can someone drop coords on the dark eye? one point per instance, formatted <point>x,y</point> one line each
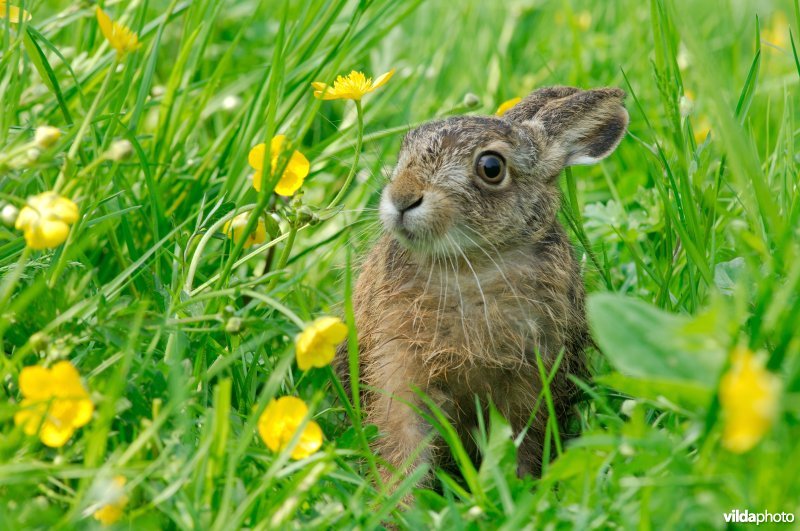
<point>491,167</point>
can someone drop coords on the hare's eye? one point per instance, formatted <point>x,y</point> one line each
<point>491,167</point>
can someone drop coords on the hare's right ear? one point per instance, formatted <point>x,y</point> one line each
<point>579,126</point>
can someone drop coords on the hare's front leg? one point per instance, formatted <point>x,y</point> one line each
<point>403,433</point>
<point>529,462</point>
<point>406,439</point>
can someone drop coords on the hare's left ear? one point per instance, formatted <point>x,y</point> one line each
<point>582,126</point>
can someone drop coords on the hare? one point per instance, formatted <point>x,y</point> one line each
<point>475,277</point>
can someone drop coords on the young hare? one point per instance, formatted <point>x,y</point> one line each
<point>474,275</point>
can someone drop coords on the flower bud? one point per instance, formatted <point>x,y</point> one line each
<point>471,100</point>
<point>306,215</point>
<point>9,214</point>
<point>39,341</point>
<point>46,136</point>
<point>231,102</point>
<point>233,325</point>
<point>120,150</point>
<point>627,407</point>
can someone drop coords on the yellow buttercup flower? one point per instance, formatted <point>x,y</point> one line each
<point>701,129</point>
<point>45,220</point>
<point>112,511</point>
<point>15,15</point>
<point>584,20</point>
<point>352,87</point>
<point>55,403</point>
<point>279,423</point>
<point>748,396</point>
<point>293,176</point>
<point>506,105</point>
<point>119,36</point>
<point>235,227</point>
<point>777,32</point>
<point>316,345</point>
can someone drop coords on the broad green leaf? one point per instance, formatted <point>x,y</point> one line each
<point>642,341</point>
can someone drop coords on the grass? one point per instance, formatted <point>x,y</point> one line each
<point>689,242</point>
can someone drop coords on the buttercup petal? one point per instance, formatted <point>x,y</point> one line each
<point>279,423</point>
<point>299,165</point>
<point>292,407</point>
<point>329,95</point>
<point>119,36</point>
<point>332,329</point>
<point>280,419</point>
<point>256,156</point>
<point>276,146</point>
<point>65,210</point>
<point>15,15</point>
<point>83,411</point>
<point>382,79</point>
<point>106,26</point>
<point>55,436</point>
<point>259,235</point>
<point>45,220</point>
<point>67,380</point>
<point>108,514</point>
<point>323,355</point>
<point>506,106</point>
<point>748,395</point>
<point>30,415</point>
<point>355,77</point>
<point>305,342</point>
<point>310,441</point>
<point>35,382</point>
<point>48,234</point>
<point>296,168</point>
<point>289,184</point>
<point>233,228</point>
<point>26,217</point>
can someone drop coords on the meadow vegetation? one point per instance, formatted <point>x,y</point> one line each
<point>170,296</point>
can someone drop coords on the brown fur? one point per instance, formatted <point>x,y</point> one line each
<point>473,279</point>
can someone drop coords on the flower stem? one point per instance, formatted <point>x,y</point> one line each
<point>210,232</point>
<point>76,143</point>
<point>353,169</point>
<point>284,259</point>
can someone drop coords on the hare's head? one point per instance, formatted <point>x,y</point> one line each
<point>470,181</point>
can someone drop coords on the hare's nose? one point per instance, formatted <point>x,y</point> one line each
<point>407,202</point>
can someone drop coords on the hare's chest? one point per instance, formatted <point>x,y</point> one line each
<point>477,318</point>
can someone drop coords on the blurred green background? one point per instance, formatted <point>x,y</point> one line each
<point>691,225</point>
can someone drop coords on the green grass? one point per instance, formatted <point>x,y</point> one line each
<point>183,338</point>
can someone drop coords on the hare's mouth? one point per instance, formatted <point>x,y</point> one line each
<point>415,240</point>
<point>425,242</point>
<point>419,223</point>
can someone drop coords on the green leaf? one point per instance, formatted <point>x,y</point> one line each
<point>642,341</point>
<point>499,453</point>
<point>681,396</point>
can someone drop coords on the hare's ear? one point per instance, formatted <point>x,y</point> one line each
<point>582,125</point>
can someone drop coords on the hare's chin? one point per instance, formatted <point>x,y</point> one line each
<point>426,244</point>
